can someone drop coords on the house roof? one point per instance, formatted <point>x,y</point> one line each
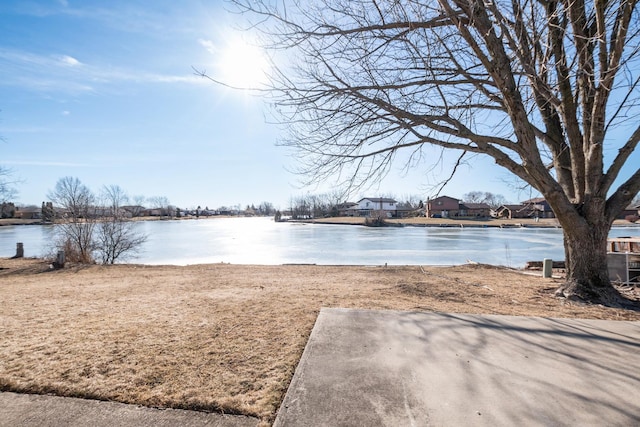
<point>444,197</point>
<point>378,199</point>
<point>535,200</point>
<point>405,207</point>
<point>538,200</point>
<point>514,207</point>
<point>475,206</point>
<point>346,205</point>
<point>28,209</point>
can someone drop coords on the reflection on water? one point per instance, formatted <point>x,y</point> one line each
<point>262,241</point>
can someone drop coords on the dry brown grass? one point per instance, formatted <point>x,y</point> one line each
<point>218,337</point>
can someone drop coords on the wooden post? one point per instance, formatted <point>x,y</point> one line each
<point>19,250</point>
<point>547,268</point>
<point>59,260</point>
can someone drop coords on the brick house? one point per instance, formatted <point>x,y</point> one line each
<point>477,210</point>
<point>442,207</point>
<point>28,212</point>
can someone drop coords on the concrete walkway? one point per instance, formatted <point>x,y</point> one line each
<point>387,368</point>
<point>26,410</point>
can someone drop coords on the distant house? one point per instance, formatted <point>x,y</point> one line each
<point>478,210</point>
<point>540,207</point>
<point>514,211</point>
<point>371,204</point>
<point>404,210</point>
<point>449,207</point>
<point>134,210</point>
<point>28,212</point>
<point>61,212</point>
<point>154,212</point>
<point>630,210</point>
<point>442,207</point>
<point>347,209</point>
<point>100,212</point>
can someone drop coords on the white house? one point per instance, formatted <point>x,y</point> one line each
<point>370,204</point>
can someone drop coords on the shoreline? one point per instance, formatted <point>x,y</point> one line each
<point>19,221</point>
<point>360,221</point>
<point>455,223</point>
<point>392,223</point>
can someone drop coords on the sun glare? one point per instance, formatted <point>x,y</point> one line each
<point>242,65</point>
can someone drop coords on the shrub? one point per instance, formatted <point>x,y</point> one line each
<point>71,252</point>
<point>377,219</point>
<point>632,218</point>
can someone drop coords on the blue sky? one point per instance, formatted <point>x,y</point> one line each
<point>105,91</point>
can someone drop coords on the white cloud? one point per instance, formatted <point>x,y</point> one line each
<point>66,113</point>
<point>48,163</point>
<point>69,60</point>
<point>208,44</point>
<point>159,78</point>
<point>64,73</point>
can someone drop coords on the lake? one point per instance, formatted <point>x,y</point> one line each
<point>263,241</point>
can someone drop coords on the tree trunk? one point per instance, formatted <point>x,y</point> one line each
<point>586,260</point>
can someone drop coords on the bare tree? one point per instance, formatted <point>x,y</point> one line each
<point>117,240</point>
<point>412,200</point>
<point>536,85</point>
<point>300,207</point>
<point>473,197</point>
<point>314,205</point>
<point>161,203</point>
<point>116,237</point>
<point>114,198</point>
<point>7,185</point>
<point>77,225</point>
<point>266,209</point>
<point>493,200</point>
<point>7,210</point>
<point>138,205</point>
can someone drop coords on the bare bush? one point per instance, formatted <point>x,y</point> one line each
<point>87,230</point>
<point>117,239</point>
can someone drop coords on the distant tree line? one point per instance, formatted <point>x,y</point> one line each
<point>493,200</point>
<point>7,210</point>
<point>327,205</point>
